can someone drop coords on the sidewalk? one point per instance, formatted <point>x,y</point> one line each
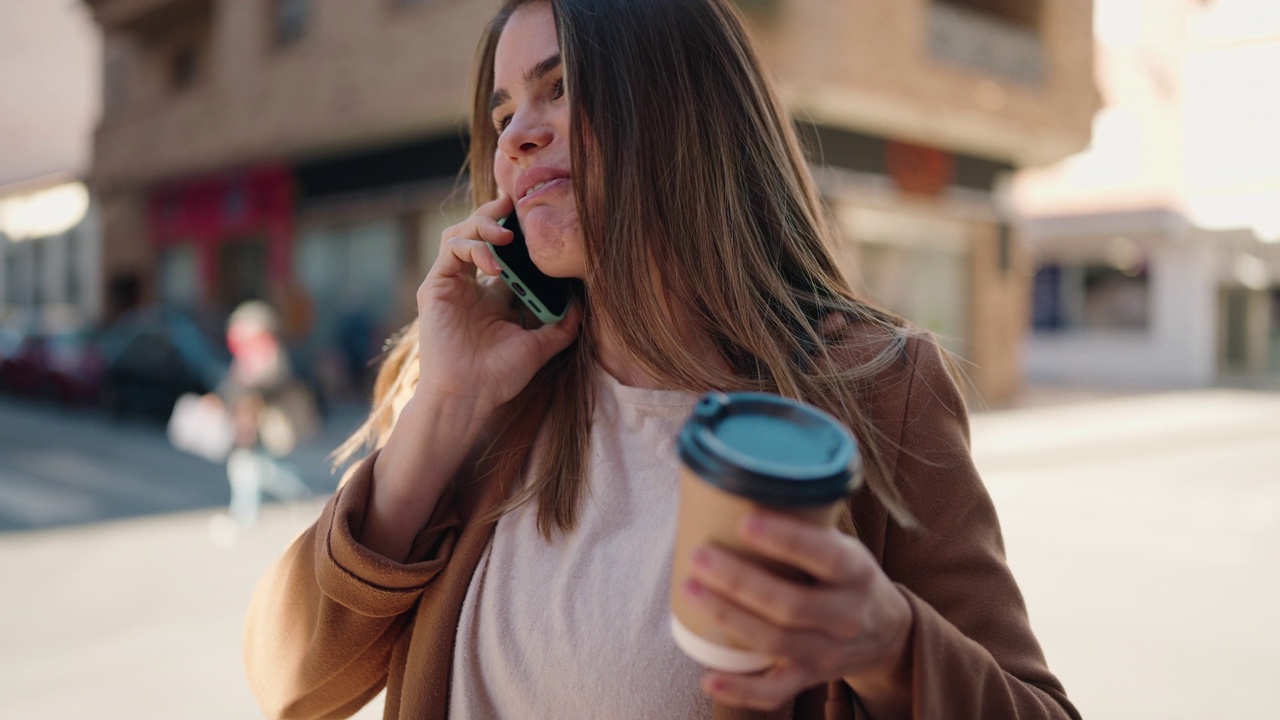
<point>142,617</point>
<point>134,619</point>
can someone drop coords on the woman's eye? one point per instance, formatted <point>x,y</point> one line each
<point>557,88</point>
<point>501,123</point>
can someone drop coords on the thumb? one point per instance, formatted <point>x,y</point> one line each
<point>556,337</point>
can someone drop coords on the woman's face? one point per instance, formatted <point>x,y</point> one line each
<point>532,160</point>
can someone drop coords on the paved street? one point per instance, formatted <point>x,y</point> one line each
<point>1145,532</point>
<point>63,467</point>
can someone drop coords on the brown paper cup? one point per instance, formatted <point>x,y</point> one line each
<point>741,452</point>
<point>710,516</point>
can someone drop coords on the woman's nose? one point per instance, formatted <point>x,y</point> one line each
<point>526,133</point>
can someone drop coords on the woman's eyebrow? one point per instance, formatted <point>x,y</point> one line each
<point>531,76</point>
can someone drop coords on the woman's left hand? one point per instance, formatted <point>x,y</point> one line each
<point>851,623</point>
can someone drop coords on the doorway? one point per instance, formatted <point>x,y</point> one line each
<point>1248,337</point>
<point>242,272</point>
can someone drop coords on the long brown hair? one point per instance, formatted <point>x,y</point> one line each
<point>687,172</point>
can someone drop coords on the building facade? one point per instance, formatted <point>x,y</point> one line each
<point>49,254</point>
<point>310,148</point>
<point>1158,248</point>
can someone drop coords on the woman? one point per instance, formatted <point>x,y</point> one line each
<point>504,549</point>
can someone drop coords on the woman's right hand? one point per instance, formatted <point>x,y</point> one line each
<point>471,352</point>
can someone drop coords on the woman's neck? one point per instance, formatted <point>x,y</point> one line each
<point>613,357</point>
<point>614,360</point>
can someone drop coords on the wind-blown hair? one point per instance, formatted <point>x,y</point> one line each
<point>689,178</point>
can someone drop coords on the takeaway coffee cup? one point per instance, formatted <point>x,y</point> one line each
<point>741,451</point>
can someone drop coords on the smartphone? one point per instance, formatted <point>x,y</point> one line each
<point>547,297</point>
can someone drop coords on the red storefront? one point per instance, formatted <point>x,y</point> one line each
<point>222,238</point>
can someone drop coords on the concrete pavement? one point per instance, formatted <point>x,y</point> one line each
<point>1144,531</point>
<point>118,604</point>
<point>1145,534</point>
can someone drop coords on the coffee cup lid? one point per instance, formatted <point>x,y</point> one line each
<point>771,450</point>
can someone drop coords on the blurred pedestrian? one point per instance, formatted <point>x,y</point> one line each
<point>270,411</point>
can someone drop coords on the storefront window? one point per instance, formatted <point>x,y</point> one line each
<point>925,285</point>
<point>13,291</point>
<point>73,247</point>
<point>1091,297</point>
<point>290,18</point>
<point>351,276</point>
<point>179,281</point>
<point>916,266</point>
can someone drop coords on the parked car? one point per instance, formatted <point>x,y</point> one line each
<point>10,339</point>
<point>44,354</point>
<point>75,367</point>
<point>153,356</point>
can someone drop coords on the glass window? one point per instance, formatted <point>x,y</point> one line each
<point>184,68</point>
<point>148,351</point>
<point>117,53</point>
<point>996,37</point>
<point>72,245</point>
<point>1022,12</point>
<point>38,270</point>
<point>13,276</point>
<point>290,20</point>
<point>1091,297</point>
<point>927,285</point>
<point>915,265</point>
<point>179,281</point>
<point>350,273</point>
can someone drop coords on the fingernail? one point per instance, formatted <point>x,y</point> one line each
<point>753,525</point>
<point>694,588</point>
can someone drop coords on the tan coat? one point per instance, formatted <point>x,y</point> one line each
<point>332,622</point>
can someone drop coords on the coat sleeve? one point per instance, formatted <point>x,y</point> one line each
<point>323,620</point>
<point>973,652</point>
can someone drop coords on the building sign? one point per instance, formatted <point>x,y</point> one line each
<point>221,214</point>
<point>252,201</point>
<point>918,170</point>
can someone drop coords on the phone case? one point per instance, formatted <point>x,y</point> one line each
<point>531,301</point>
<point>522,290</point>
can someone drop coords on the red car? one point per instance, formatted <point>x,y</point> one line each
<point>63,364</point>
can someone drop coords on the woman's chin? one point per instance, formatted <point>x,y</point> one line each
<point>555,253</point>
<point>558,267</point>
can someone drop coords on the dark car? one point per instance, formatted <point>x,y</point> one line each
<point>10,339</point>
<point>15,326</point>
<point>74,367</point>
<point>153,356</point>
<point>42,354</point>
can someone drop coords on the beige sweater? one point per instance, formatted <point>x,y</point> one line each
<point>563,629</point>
<point>332,623</point>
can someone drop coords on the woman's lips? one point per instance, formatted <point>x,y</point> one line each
<point>545,188</point>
